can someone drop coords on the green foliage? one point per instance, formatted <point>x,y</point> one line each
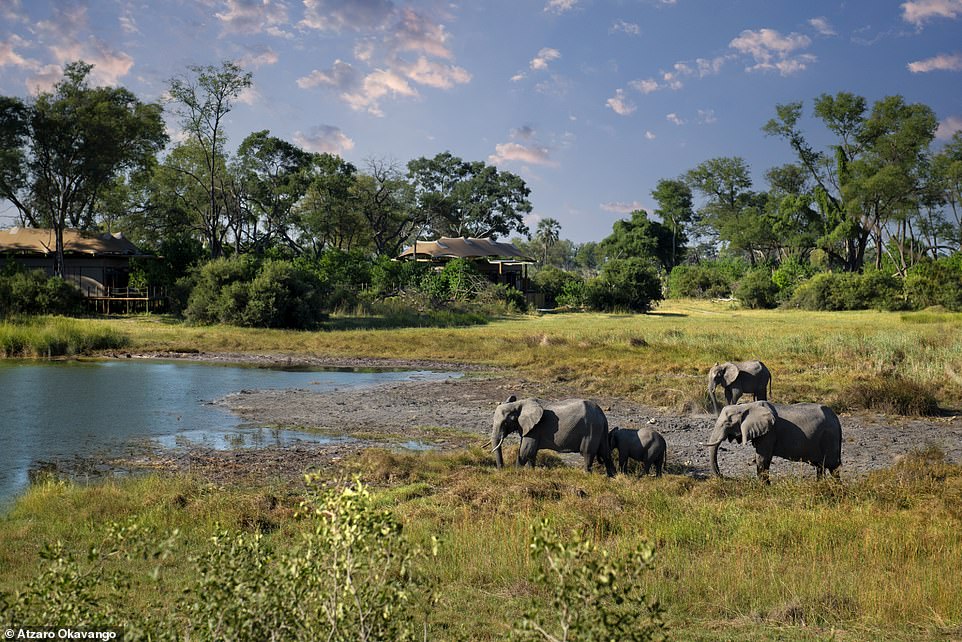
<point>344,275</point>
<point>789,274</point>
<point>574,294</point>
<point>849,291</point>
<point>640,237</point>
<point>624,284</point>
<point>706,279</point>
<point>552,282</point>
<point>33,292</point>
<point>55,337</point>
<point>592,595</point>
<point>756,289</point>
<point>389,277</point>
<point>275,294</point>
<point>939,282</point>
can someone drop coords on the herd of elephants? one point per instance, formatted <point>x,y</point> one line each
<point>805,432</point>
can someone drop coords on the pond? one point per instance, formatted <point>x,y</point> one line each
<point>65,411</point>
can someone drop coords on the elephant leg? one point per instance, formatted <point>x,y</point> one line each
<point>623,462</point>
<point>762,464</point>
<point>658,466</point>
<point>528,452</point>
<point>729,394</point>
<point>589,461</point>
<point>736,394</point>
<point>645,467</point>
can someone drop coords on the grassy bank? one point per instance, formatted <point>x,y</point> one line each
<point>874,558</point>
<point>660,358</point>
<point>46,337</point>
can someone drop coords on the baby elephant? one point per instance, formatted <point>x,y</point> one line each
<point>646,445</point>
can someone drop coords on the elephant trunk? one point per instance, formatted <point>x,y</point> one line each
<point>714,459</point>
<point>714,401</point>
<point>496,439</point>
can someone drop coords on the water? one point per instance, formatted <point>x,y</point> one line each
<point>52,412</point>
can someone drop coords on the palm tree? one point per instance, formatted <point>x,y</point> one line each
<point>548,233</point>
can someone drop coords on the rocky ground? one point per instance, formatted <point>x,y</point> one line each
<point>456,413</point>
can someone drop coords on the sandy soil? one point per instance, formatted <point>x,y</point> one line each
<point>456,413</point>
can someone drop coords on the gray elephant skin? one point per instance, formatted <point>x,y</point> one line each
<point>572,425</point>
<point>644,445</point>
<point>807,432</point>
<point>738,378</point>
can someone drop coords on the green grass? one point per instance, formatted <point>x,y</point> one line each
<point>661,359</point>
<point>56,337</point>
<point>872,558</point>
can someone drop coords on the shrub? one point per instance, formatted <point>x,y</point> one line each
<point>624,284</point>
<point>930,283</point>
<point>705,280</point>
<point>892,394</point>
<point>552,281</point>
<point>591,595</point>
<point>344,276</point>
<point>574,294</point>
<point>389,277</point>
<point>847,291</point>
<point>790,274</point>
<point>757,290</point>
<point>33,292</point>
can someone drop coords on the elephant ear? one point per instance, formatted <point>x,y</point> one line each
<point>731,373</point>
<point>531,413</point>
<point>758,420</point>
<point>511,399</point>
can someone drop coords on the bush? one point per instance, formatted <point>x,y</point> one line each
<point>33,292</point>
<point>591,595</point>
<point>790,274</point>
<point>705,280</point>
<point>930,283</point>
<point>276,294</point>
<point>624,284</point>
<point>343,275</point>
<point>848,291</point>
<point>891,394</point>
<point>574,294</point>
<point>390,277</point>
<point>757,290</point>
<point>552,281</point>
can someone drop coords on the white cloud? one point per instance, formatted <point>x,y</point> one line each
<point>621,207</point>
<point>127,22</point>
<point>518,77</point>
<point>773,51</point>
<point>434,74</point>
<point>257,59</point>
<point>249,96</point>
<point>942,62</point>
<point>620,104</point>
<point>352,15</point>
<point>707,117</point>
<point>251,16</point>
<point>9,57</point>
<point>644,86</point>
<point>674,118</point>
<point>545,56</point>
<point>324,139</point>
<point>531,153</point>
<point>918,12</point>
<point>650,135</point>
<point>630,28</point>
<point>822,26</point>
<point>415,32</point>
<point>376,86</point>
<point>948,127</point>
<point>560,6</point>
<point>342,75</point>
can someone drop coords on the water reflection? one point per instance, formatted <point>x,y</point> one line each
<point>53,412</point>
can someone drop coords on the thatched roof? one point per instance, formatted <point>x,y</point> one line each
<point>453,248</point>
<point>26,240</point>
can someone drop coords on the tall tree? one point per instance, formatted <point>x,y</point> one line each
<point>873,174</point>
<point>675,209</point>
<point>548,233</point>
<point>947,172</point>
<point>66,147</point>
<point>274,176</point>
<point>386,200</point>
<point>329,215</point>
<point>638,237</point>
<point>732,212</point>
<point>469,198</point>
<point>202,99</point>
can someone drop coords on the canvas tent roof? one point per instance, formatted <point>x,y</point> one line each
<point>26,240</point>
<point>462,247</point>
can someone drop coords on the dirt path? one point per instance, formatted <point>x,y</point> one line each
<point>456,413</point>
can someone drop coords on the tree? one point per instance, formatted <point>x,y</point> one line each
<point>202,100</point>
<point>274,175</point>
<point>640,238</point>
<point>68,146</point>
<point>675,209</point>
<point>947,181</point>
<point>329,214</point>
<point>732,212</point>
<point>548,233</point>
<point>471,199</point>
<point>386,201</point>
<point>872,174</point>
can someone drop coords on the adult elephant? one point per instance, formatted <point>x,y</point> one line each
<point>807,432</point>
<point>737,378</point>
<point>572,425</point>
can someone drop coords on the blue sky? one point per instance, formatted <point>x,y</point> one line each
<point>590,101</point>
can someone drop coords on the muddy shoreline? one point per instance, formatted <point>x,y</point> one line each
<point>456,413</point>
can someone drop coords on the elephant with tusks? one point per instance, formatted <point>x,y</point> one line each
<point>572,425</point>
<point>807,432</point>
